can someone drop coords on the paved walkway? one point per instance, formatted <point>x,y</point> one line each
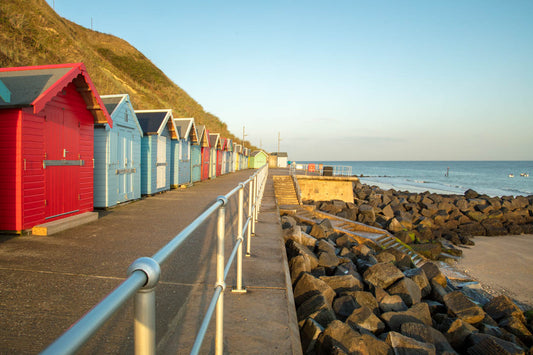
<point>47,283</point>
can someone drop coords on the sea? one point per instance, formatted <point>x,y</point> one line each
<point>493,178</point>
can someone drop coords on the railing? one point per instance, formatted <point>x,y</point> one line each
<point>319,169</point>
<point>144,275</point>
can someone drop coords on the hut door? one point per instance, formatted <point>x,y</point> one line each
<point>121,164</point>
<point>62,175</point>
<point>161,161</point>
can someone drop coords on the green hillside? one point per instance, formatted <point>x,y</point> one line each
<point>31,33</point>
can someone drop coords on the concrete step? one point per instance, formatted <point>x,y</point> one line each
<point>60,225</point>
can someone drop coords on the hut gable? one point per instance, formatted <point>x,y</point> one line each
<point>186,129</point>
<point>214,141</point>
<point>121,111</point>
<point>153,122</point>
<point>35,86</point>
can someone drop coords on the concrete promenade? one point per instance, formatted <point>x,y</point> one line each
<point>47,283</point>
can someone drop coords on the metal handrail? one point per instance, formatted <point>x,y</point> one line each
<point>145,272</point>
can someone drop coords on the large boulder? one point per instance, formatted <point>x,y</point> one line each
<point>322,230</point>
<point>515,326</point>
<point>433,272</point>
<point>392,304</point>
<point>502,307</point>
<point>299,265</point>
<point>470,194</point>
<point>382,275</point>
<point>339,338</point>
<point>456,332</point>
<point>366,214</point>
<point>462,307</point>
<point>494,227</point>
<point>293,248</point>
<point>427,334</point>
<point>309,286</point>
<point>366,299</point>
<point>317,308</point>
<point>343,306</point>
<point>407,289</point>
<point>419,277</point>
<point>419,313</point>
<point>364,320</point>
<point>343,284</point>
<point>403,345</point>
<point>309,333</point>
<point>483,344</point>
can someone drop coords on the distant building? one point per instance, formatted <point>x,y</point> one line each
<point>278,160</point>
<point>258,158</point>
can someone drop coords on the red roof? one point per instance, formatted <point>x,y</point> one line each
<point>35,86</point>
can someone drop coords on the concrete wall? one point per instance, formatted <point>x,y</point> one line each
<point>325,188</point>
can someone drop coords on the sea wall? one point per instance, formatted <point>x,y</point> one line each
<point>323,188</point>
<point>428,221</point>
<point>353,297</point>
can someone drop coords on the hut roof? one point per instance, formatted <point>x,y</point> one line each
<point>214,140</point>
<point>35,86</point>
<point>154,121</point>
<point>186,128</point>
<point>111,103</point>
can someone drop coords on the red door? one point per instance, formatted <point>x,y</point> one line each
<point>219,162</point>
<point>205,163</point>
<point>62,175</point>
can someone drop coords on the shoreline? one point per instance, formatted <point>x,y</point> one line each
<point>502,266</point>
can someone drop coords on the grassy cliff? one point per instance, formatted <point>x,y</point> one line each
<point>31,33</point>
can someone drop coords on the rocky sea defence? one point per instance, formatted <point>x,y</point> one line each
<point>354,297</point>
<point>433,223</point>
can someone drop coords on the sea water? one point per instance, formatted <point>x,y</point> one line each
<point>494,178</point>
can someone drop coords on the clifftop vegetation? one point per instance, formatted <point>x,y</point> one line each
<point>31,33</point>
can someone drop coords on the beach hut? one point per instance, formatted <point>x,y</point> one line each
<point>237,149</point>
<point>187,132</point>
<point>229,155</point>
<point>158,131</point>
<point>216,154</point>
<point>47,117</point>
<point>223,147</point>
<point>117,154</point>
<point>206,150</point>
<point>196,155</point>
<point>258,158</point>
<point>246,158</point>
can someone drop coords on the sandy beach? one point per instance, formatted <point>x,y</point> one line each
<point>502,265</point>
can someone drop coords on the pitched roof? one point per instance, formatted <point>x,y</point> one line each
<point>186,128</point>
<point>111,103</point>
<point>214,140</point>
<point>154,121</point>
<point>256,152</point>
<point>35,86</point>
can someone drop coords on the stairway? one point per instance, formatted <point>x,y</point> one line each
<point>288,200</point>
<point>285,191</point>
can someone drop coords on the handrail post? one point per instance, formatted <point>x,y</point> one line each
<point>221,226</point>
<point>240,239</point>
<point>144,309</point>
<point>254,203</point>
<point>249,227</point>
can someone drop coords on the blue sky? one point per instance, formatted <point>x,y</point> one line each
<point>345,80</point>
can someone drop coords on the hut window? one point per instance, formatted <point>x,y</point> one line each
<point>126,117</point>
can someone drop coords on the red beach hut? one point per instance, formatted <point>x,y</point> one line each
<point>204,143</point>
<point>47,117</point>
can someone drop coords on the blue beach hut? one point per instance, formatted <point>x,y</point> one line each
<point>187,132</point>
<point>117,154</point>
<point>196,155</point>
<point>158,131</point>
